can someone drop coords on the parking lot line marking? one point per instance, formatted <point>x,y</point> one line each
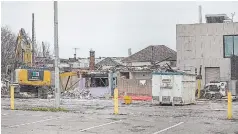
<point>168,128</point>
<point>4,114</point>
<point>35,122</point>
<point>99,125</point>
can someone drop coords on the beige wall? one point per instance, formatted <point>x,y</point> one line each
<point>134,88</point>
<point>202,44</point>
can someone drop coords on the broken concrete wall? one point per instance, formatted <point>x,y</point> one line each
<point>72,83</point>
<point>135,87</point>
<point>82,83</point>
<point>97,92</point>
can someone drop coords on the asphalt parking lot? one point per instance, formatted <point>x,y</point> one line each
<point>95,117</point>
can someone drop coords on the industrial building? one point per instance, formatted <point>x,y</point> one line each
<point>213,45</point>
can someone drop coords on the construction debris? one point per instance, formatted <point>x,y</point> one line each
<point>77,94</point>
<point>4,89</point>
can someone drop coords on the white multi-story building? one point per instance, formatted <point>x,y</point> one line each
<point>210,45</point>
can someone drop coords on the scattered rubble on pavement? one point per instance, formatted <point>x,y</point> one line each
<point>77,94</point>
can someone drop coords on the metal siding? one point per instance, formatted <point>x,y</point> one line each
<point>183,86</point>
<point>188,88</point>
<point>166,92</point>
<point>178,86</point>
<point>212,74</point>
<point>156,85</point>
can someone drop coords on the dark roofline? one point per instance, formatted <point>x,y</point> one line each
<point>126,59</point>
<point>110,58</point>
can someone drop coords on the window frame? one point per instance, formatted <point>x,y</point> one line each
<point>233,45</point>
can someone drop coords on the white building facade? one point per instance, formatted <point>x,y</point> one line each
<point>209,45</point>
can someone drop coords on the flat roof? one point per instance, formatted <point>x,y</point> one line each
<point>216,15</point>
<point>171,73</point>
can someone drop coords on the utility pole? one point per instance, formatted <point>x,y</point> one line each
<point>200,14</point>
<point>75,52</point>
<point>33,39</point>
<point>232,16</point>
<point>56,47</point>
<point>43,50</point>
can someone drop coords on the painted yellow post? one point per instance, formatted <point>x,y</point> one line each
<point>199,88</point>
<point>116,101</point>
<point>229,107</point>
<point>12,97</point>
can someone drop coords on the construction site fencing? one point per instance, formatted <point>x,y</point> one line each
<point>134,87</point>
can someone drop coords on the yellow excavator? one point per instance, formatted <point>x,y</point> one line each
<point>33,80</point>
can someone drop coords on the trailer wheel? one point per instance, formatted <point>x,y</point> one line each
<point>208,96</point>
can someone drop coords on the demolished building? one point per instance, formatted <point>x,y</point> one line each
<point>135,79</point>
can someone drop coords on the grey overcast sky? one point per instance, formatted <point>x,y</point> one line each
<point>109,28</point>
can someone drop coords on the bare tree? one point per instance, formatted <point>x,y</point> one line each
<point>8,43</point>
<point>46,49</point>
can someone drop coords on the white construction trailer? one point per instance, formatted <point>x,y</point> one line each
<point>175,88</point>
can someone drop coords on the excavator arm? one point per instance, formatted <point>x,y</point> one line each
<point>23,50</point>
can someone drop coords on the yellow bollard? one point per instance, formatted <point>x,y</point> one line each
<point>199,88</point>
<point>12,97</point>
<point>229,106</point>
<point>116,101</point>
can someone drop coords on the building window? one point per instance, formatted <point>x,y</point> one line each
<point>230,45</point>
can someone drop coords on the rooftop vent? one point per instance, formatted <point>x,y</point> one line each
<point>216,18</point>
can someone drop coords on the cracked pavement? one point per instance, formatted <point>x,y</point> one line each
<point>96,117</point>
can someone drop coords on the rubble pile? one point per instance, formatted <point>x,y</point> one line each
<point>4,89</point>
<point>77,94</point>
